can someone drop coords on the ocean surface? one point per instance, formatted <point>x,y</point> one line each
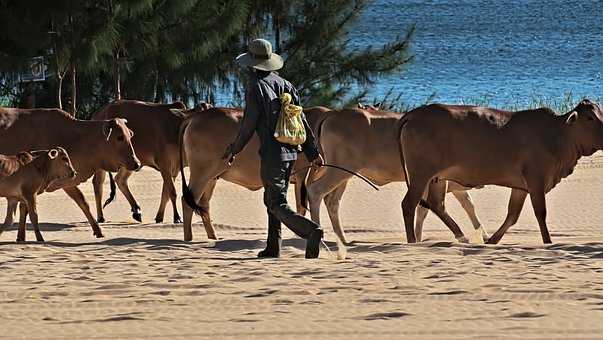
<point>499,52</point>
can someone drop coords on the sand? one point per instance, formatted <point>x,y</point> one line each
<point>143,282</point>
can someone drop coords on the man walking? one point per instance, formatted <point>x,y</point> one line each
<point>262,110</point>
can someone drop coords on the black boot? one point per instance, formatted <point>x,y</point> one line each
<point>273,243</point>
<point>269,253</point>
<point>313,244</point>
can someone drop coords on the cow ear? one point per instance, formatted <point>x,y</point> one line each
<point>24,157</point>
<point>571,118</point>
<point>53,153</point>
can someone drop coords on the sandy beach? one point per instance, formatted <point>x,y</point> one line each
<point>143,282</point>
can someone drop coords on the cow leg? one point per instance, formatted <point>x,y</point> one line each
<point>516,201</point>
<point>204,202</point>
<point>97,182</point>
<point>33,215</point>
<point>332,200</point>
<point>11,207</point>
<point>121,179</point>
<point>421,214</point>
<point>467,203</point>
<point>176,214</point>
<point>22,222</point>
<point>435,199</point>
<point>318,189</point>
<point>162,204</point>
<point>197,187</point>
<point>299,178</point>
<point>416,190</point>
<point>80,200</point>
<point>168,192</point>
<point>539,205</point>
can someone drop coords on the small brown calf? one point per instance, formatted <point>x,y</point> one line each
<point>24,176</point>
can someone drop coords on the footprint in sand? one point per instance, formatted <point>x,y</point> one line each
<point>385,316</point>
<point>523,315</point>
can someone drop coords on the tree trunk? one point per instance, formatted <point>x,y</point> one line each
<point>160,94</point>
<point>117,76</point>
<point>73,89</point>
<point>277,31</point>
<point>30,96</point>
<point>59,90</point>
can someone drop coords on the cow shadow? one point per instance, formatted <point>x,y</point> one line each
<point>50,227</point>
<point>226,245</point>
<point>238,245</point>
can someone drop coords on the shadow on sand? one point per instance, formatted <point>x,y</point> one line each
<point>50,227</point>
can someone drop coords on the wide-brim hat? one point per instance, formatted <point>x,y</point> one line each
<point>260,56</point>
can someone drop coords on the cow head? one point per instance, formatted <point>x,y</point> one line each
<point>56,165</point>
<point>202,106</point>
<point>119,141</point>
<point>586,121</point>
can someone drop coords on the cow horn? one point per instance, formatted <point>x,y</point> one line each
<point>53,153</point>
<point>177,111</point>
<point>572,117</point>
<point>109,134</point>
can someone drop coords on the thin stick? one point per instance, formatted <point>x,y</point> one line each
<point>368,181</point>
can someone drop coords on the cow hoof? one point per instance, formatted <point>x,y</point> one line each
<point>137,216</point>
<point>158,220</point>
<point>177,220</point>
<point>99,235</point>
<point>492,240</point>
<point>101,220</point>
<point>20,240</point>
<point>40,240</point>
<point>463,239</point>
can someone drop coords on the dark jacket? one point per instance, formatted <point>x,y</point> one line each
<point>262,110</point>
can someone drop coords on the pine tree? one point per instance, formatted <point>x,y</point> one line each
<point>312,35</point>
<point>159,50</point>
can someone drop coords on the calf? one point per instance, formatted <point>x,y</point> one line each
<point>26,175</point>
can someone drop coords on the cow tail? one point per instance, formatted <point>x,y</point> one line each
<point>403,122</point>
<point>187,194</point>
<point>112,188</point>
<point>303,192</point>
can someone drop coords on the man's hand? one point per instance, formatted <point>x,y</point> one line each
<point>318,161</point>
<point>228,155</point>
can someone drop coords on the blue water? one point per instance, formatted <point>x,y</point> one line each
<point>505,51</point>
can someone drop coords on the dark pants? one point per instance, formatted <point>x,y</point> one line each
<point>275,177</point>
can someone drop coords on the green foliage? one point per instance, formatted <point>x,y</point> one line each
<point>184,50</point>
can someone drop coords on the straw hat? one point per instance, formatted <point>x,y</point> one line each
<point>260,56</point>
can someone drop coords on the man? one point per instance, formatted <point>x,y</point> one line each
<point>262,110</point>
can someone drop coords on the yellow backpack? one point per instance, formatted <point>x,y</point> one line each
<point>290,128</point>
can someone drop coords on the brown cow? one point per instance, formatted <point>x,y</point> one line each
<point>91,145</point>
<point>364,141</point>
<point>155,141</point>
<point>529,151</point>
<point>205,136</point>
<point>31,174</point>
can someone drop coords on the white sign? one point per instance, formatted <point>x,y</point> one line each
<point>36,70</point>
